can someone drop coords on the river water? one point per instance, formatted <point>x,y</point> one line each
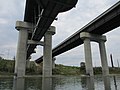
<point>61,83</point>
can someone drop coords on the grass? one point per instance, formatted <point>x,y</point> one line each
<point>66,70</point>
<point>7,68</point>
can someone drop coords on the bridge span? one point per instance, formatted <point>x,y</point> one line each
<point>40,14</point>
<point>107,21</point>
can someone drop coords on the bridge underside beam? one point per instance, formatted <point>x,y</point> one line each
<point>42,13</point>
<point>104,23</point>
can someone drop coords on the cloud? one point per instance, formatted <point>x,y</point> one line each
<point>113,44</point>
<point>3,21</point>
<point>10,11</point>
<point>68,23</point>
<point>71,21</point>
<point>72,57</point>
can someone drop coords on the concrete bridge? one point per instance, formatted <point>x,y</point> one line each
<point>40,14</point>
<point>93,31</point>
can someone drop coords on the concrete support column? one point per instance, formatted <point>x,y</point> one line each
<point>20,62</point>
<point>90,83</point>
<point>18,84</point>
<point>47,52</point>
<point>87,37</point>
<point>47,83</point>
<point>105,69</point>
<point>88,54</point>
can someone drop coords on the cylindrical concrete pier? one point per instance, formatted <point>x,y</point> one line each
<point>88,57</point>
<point>105,69</point>
<point>20,62</point>
<point>87,37</point>
<point>47,52</point>
<point>87,50</point>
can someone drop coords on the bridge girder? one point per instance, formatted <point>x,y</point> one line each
<point>42,13</point>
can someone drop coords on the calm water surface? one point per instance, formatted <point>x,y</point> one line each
<point>61,83</point>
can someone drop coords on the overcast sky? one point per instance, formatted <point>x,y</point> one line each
<point>67,24</point>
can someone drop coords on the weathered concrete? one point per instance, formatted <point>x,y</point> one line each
<point>47,52</point>
<point>20,62</point>
<point>88,57</point>
<point>36,42</point>
<point>90,83</point>
<point>106,80</point>
<point>47,83</point>
<point>18,84</point>
<point>88,54</point>
<point>105,69</point>
<point>87,37</point>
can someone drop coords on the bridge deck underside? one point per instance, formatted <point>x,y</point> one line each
<point>100,25</point>
<point>42,13</point>
<point>104,23</point>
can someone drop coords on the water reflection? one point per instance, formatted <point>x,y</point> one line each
<point>106,80</point>
<point>47,83</point>
<point>61,83</point>
<point>33,83</point>
<point>6,83</point>
<point>18,83</point>
<point>114,79</point>
<point>90,83</point>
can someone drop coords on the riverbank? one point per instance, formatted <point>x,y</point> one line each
<point>7,68</point>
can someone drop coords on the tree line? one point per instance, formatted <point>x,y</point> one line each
<point>7,67</point>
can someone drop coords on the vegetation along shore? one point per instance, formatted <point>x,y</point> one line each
<point>7,68</point>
